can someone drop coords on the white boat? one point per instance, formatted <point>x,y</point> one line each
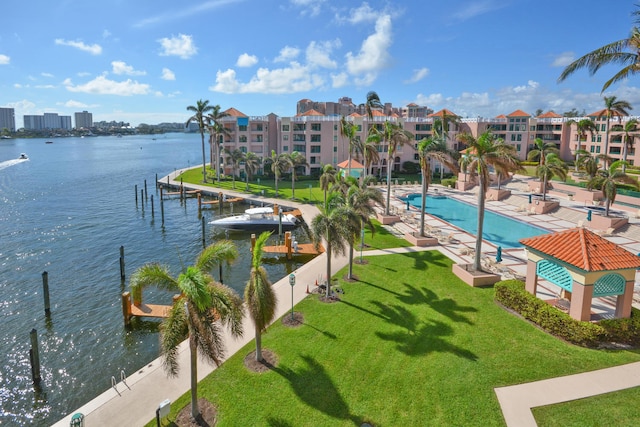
<point>256,219</point>
<point>23,156</point>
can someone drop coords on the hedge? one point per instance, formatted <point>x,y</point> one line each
<point>512,294</point>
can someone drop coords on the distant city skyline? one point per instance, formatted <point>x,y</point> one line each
<point>146,65</point>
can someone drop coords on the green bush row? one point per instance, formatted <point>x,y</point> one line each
<point>512,294</point>
<point>449,182</point>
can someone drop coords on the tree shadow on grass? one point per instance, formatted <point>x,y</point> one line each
<point>422,259</point>
<point>419,338</point>
<point>325,333</point>
<point>447,307</point>
<point>313,385</point>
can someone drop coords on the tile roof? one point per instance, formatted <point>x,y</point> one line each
<point>603,113</point>
<point>583,249</point>
<point>443,112</point>
<point>519,113</point>
<point>354,164</point>
<point>377,113</point>
<point>354,114</point>
<point>549,114</point>
<point>311,112</point>
<point>235,113</point>
<point>501,116</point>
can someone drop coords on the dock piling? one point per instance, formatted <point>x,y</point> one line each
<point>45,292</point>
<point>122,275</point>
<point>136,191</point>
<point>146,194</point>
<point>204,240</point>
<point>152,207</point>
<point>34,357</point>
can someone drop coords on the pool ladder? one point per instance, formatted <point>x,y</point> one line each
<point>123,380</point>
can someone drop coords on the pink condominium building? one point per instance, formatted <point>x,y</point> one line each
<point>315,132</point>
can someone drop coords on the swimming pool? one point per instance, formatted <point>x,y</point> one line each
<point>498,229</point>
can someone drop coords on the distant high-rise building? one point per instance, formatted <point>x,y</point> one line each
<point>8,119</point>
<point>32,122</point>
<point>84,120</point>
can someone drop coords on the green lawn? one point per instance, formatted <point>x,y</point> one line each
<point>380,239</point>
<point>619,408</point>
<point>409,344</point>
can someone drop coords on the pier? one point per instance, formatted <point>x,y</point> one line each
<point>290,247</point>
<point>138,309</point>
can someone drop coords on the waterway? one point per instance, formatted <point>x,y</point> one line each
<point>67,210</point>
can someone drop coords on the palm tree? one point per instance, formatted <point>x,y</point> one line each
<point>372,103</point>
<point>333,225</point>
<point>613,106</point>
<point>625,52</point>
<point>441,130</point>
<point>279,164</point>
<point>361,199</point>
<point>590,165</point>
<point>430,149</point>
<point>295,160</point>
<point>251,165</point>
<point>553,166</point>
<point>484,152</point>
<point>327,178</point>
<point>607,180</point>
<point>395,136</point>
<point>236,157</point>
<point>259,295</point>
<point>582,126</point>
<point>630,130</point>
<point>541,150</point>
<point>349,131</point>
<point>203,307</point>
<point>370,154</point>
<point>200,109</point>
<point>216,130</point>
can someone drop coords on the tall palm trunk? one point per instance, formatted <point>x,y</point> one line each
<point>293,183</point>
<point>328,252</point>
<point>423,204</point>
<point>606,145</point>
<point>350,275</point>
<point>481,197</point>
<point>387,208</point>
<point>624,155</point>
<point>204,159</point>
<point>544,188</point>
<point>259,357</point>
<point>195,410</point>
<point>217,158</point>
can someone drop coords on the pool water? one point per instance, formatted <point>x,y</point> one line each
<point>498,229</point>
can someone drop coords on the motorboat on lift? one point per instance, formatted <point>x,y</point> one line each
<point>23,156</point>
<point>257,219</point>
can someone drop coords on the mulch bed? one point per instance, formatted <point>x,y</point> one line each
<point>298,319</point>
<point>208,415</point>
<point>270,360</point>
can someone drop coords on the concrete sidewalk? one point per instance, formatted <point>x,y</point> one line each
<point>516,401</point>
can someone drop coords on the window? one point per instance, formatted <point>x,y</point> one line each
<point>513,137</point>
<point>315,127</point>
<point>243,138</point>
<point>518,147</point>
<point>300,148</point>
<point>312,159</point>
<point>285,128</point>
<point>259,127</point>
<point>242,128</point>
<point>532,128</point>
<point>599,138</point>
<point>299,137</point>
<point>519,137</point>
<point>335,138</point>
<point>315,138</point>
<point>335,149</point>
<point>315,148</point>
<point>258,138</point>
<point>511,127</point>
<point>299,127</point>
<point>285,137</point>
<point>285,148</point>
<point>243,149</point>
<point>592,149</point>
<point>416,156</point>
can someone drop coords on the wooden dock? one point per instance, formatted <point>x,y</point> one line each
<point>303,249</point>
<point>228,200</point>
<point>130,309</point>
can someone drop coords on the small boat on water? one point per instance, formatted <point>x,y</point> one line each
<point>256,219</point>
<point>23,156</point>
<point>49,142</point>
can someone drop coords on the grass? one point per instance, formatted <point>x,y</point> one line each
<point>617,408</point>
<point>381,239</point>
<point>409,344</point>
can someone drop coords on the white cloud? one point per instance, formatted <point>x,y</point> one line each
<point>121,67</point>
<point>45,87</point>
<point>93,49</point>
<point>77,104</point>
<point>4,59</point>
<point>418,75</point>
<point>287,54</point>
<point>83,74</point>
<point>167,74</point>
<point>17,85</point>
<point>103,86</point>
<point>318,54</point>
<point>183,12</point>
<point>373,54</point>
<point>46,75</point>
<point>476,8</point>
<point>246,60</point>
<point>106,34</point>
<point>292,79</point>
<point>339,80</point>
<point>181,46</point>
<point>364,13</point>
<point>563,59</point>
<point>310,7</point>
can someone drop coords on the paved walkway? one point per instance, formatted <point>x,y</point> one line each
<point>134,402</point>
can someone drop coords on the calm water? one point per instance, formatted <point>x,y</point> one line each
<point>67,210</point>
<point>497,229</point>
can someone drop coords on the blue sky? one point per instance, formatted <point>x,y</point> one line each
<point>144,61</point>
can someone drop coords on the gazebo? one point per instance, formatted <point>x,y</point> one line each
<point>357,168</point>
<point>586,266</point>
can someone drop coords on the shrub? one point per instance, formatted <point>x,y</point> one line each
<point>449,182</point>
<point>512,294</point>
<point>623,331</point>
